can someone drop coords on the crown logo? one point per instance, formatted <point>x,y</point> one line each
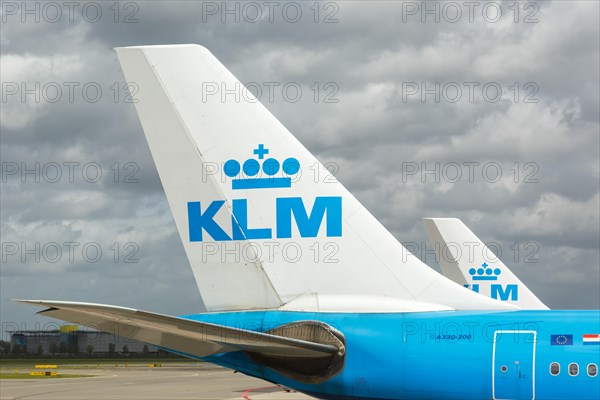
<point>269,167</point>
<point>485,273</point>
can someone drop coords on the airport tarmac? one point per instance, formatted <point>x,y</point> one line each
<point>177,382</point>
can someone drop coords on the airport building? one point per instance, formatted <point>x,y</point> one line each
<point>69,339</point>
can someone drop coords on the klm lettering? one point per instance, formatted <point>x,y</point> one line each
<point>288,210</point>
<point>500,292</point>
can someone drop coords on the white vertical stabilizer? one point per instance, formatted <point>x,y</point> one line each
<point>261,220</point>
<point>465,259</point>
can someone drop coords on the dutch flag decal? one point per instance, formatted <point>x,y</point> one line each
<point>591,339</point>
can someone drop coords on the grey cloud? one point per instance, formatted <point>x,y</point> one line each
<point>370,53</point>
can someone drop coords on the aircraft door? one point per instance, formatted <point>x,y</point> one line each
<point>513,373</point>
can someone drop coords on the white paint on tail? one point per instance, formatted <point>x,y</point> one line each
<point>465,259</point>
<point>258,232</point>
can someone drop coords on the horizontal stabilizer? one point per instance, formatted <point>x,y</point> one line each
<point>194,338</point>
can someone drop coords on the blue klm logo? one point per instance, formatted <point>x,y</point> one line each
<point>497,291</point>
<point>270,167</point>
<point>325,208</point>
<point>485,273</point>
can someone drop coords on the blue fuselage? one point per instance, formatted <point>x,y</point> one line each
<point>442,355</point>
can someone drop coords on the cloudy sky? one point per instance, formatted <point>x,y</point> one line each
<point>501,101</point>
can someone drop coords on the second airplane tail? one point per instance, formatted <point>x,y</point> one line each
<point>465,259</point>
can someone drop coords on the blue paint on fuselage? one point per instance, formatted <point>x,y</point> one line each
<point>438,355</point>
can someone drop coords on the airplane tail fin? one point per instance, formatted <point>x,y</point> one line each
<point>465,259</point>
<point>262,221</point>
